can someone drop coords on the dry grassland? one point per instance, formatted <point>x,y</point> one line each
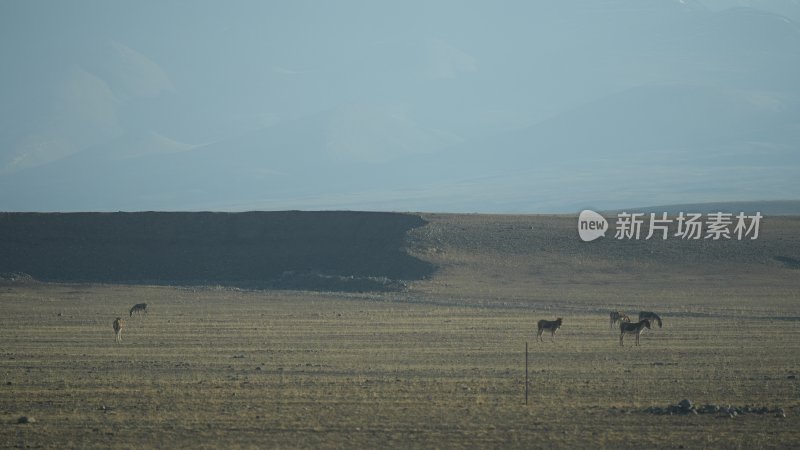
<point>440,365</point>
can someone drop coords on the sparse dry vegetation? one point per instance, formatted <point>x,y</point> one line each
<point>440,365</point>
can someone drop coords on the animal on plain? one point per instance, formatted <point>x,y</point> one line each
<point>651,316</point>
<point>632,328</point>
<point>548,325</point>
<point>119,324</point>
<point>139,308</point>
<point>618,316</point>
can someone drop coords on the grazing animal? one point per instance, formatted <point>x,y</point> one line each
<point>119,324</point>
<point>651,316</point>
<point>632,328</point>
<point>618,316</point>
<point>550,325</point>
<point>139,308</point>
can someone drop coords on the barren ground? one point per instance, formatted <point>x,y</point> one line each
<point>438,365</point>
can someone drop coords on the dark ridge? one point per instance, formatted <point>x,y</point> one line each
<point>347,251</point>
<point>792,263</point>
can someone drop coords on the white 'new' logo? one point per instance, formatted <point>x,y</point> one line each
<point>591,225</point>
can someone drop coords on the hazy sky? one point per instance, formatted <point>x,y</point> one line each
<point>518,106</point>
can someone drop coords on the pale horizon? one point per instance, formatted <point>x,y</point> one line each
<point>512,107</point>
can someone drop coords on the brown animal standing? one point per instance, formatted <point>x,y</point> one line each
<point>618,316</point>
<point>550,325</point>
<point>119,324</point>
<point>632,328</point>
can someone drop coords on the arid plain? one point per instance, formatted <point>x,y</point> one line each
<point>437,364</point>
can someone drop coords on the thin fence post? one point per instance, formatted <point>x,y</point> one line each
<point>526,373</point>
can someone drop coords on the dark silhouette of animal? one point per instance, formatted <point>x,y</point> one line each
<point>550,325</point>
<point>651,316</point>
<point>618,316</point>
<point>139,308</point>
<point>632,328</point>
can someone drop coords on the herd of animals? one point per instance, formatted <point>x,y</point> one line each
<point>625,325</point>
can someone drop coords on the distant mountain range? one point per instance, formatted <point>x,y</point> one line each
<point>766,208</point>
<point>520,107</point>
